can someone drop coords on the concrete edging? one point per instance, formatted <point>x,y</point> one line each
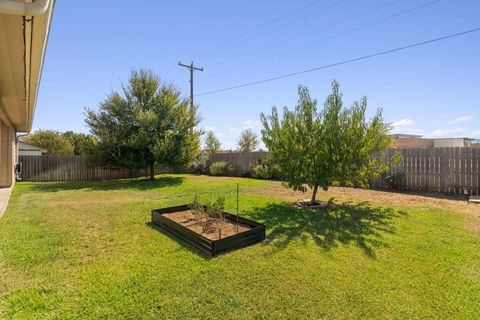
<point>4,199</point>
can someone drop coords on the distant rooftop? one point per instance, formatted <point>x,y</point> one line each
<point>405,136</point>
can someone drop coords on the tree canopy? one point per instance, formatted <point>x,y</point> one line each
<point>148,123</point>
<point>248,141</point>
<point>82,143</point>
<point>52,141</point>
<point>316,148</point>
<point>212,144</point>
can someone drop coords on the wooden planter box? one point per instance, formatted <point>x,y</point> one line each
<point>210,247</point>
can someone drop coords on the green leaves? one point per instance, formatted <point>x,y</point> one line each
<point>52,141</point>
<point>315,148</point>
<point>149,124</point>
<point>248,141</point>
<point>212,144</point>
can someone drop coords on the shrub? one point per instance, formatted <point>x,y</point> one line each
<point>220,168</point>
<point>247,174</point>
<point>261,172</point>
<point>266,170</point>
<point>200,163</point>
<point>393,181</point>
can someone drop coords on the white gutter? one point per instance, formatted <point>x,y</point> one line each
<point>33,9</point>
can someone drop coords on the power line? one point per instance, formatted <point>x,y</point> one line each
<point>277,28</point>
<point>330,37</point>
<point>343,62</point>
<point>261,26</point>
<point>319,29</point>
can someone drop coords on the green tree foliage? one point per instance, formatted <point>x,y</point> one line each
<point>83,144</point>
<point>336,144</point>
<point>148,123</point>
<point>52,141</point>
<point>248,141</point>
<point>212,144</point>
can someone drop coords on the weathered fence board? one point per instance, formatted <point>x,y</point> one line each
<point>74,168</point>
<point>446,170</point>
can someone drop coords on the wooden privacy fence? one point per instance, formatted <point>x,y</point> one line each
<point>241,161</point>
<point>74,168</point>
<point>445,170</point>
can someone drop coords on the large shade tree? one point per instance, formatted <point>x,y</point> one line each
<point>315,148</point>
<point>148,123</point>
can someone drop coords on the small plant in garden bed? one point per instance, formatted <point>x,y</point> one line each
<point>208,227</point>
<point>215,211</point>
<point>209,216</point>
<point>199,211</point>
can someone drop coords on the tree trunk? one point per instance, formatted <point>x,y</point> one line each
<point>152,171</point>
<point>314,194</point>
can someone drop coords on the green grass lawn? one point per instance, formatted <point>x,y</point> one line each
<point>88,250</point>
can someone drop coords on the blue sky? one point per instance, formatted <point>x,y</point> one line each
<point>432,90</point>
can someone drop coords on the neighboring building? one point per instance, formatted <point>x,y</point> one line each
<point>28,149</point>
<point>472,143</point>
<point>24,29</point>
<point>405,136</point>
<point>456,142</point>
<point>411,141</point>
<point>416,141</point>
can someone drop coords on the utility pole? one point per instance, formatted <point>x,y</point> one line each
<point>192,68</point>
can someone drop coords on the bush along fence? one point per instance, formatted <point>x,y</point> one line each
<point>74,168</point>
<point>445,170</point>
<point>241,162</point>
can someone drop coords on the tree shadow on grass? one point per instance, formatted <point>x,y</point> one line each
<point>358,224</point>
<point>137,184</point>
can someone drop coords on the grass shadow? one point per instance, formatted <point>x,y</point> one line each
<point>347,223</point>
<point>137,184</point>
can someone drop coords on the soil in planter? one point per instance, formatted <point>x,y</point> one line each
<point>212,225</point>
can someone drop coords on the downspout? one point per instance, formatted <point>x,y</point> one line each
<point>28,11</point>
<point>18,164</point>
<point>33,9</point>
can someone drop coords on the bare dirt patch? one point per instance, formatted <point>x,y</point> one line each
<point>210,228</point>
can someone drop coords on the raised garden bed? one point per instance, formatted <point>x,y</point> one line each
<point>232,232</point>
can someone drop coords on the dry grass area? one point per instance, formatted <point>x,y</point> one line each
<point>274,189</point>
